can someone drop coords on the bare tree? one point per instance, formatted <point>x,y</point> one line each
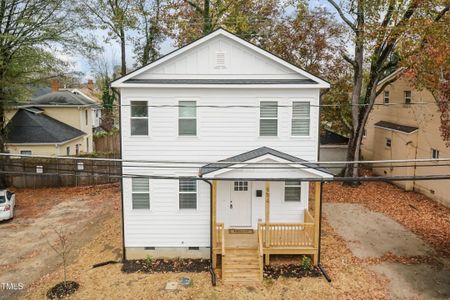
<point>62,247</point>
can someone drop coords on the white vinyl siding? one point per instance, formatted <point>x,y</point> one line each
<point>140,193</point>
<point>188,193</point>
<point>268,122</point>
<point>139,118</point>
<point>187,118</point>
<point>292,191</point>
<point>300,118</point>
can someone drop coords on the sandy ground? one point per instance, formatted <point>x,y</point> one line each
<point>381,275</point>
<point>26,254</point>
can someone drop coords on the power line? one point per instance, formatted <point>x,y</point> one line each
<point>306,179</point>
<point>156,162</point>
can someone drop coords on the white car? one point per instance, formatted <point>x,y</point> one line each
<point>7,203</point>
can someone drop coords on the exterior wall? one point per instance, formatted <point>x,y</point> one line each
<point>280,211</point>
<point>333,153</point>
<point>49,149</point>
<point>161,252</point>
<point>408,146</point>
<point>221,133</point>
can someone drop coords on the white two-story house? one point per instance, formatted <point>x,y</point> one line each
<point>248,124</point>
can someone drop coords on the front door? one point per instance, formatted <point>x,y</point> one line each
<point>240,206</point>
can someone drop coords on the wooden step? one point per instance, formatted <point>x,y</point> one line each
<point>241,266</point>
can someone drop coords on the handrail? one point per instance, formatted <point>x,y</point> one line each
<point>261,252</point>
<point>308,217</point>
<point>288,234</point>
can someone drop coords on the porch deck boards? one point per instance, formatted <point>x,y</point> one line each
<point>241,240</point>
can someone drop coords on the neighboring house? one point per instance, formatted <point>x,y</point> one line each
<point>73,110</point>
<point>404,124</point>
<point>222,99</point>
<point>333,147</point>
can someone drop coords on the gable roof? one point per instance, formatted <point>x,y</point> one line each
<point>393,76</point>
<point>62,98</point>
<point>246,156</point>
<point>31,128</point>
<point>395,127</point>
<point>123,81</point>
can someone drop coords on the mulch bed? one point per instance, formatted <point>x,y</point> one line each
<point>62,290</point>
<point>165,265</point>
<point>290,270</point>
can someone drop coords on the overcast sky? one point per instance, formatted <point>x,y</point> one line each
<point>112,50</point>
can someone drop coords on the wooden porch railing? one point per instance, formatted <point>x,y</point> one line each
<point>285,235</point>
<point>308,217</point>
<point>261,254</point>
<point>219,242</point>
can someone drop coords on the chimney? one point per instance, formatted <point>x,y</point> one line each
<point>55,85</point>
<point>90,84</point>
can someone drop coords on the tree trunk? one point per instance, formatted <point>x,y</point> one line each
<point>206,18</point>
<point>123,69</point>
<point>2,139</point>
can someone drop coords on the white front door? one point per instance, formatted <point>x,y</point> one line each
<point>240,206</point>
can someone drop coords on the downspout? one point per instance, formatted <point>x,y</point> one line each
<point>211,270</point>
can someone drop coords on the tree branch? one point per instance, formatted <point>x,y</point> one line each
<point>341,14</point>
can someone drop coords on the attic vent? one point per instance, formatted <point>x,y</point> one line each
<point>220,60</point>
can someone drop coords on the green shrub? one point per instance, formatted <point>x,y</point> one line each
<point>305,263</point>
<point>148,260</point>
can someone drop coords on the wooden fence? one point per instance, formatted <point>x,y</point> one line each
<point>40,173</point>
<point>107,144</point>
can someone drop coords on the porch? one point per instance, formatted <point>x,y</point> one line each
<point>242,252</point>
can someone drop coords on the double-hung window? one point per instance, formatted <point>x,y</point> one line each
<point>408,97</point>
<point>139,118</point>
<point>386,97</point>
<point>187,189</point>
<point>292,191</point>
<point>388,142</point>
<point>187,118</point>
<point>140,193</point>
<point>268,118</point>
<point>434,153</point>
<point>300,118</point>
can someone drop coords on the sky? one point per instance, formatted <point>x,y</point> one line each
<point>112,51</point>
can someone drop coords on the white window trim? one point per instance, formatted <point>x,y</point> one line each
<point>277,118</point>
<point>147,192</point>
<point>187,118</point>
<point>404,97</point>
<point>196,198</point>
<point>386,143</point>
<point>31,152</point>
<point>433,151</point>
<point>292,118</point>
<point>140,118</point>
<point>300,185</point>
<point>388,98</point>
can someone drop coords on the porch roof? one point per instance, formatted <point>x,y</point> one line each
<point>259,152</point>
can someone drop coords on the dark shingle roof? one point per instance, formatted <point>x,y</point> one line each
<point>26,127</point>
<point>397,127</point>
<point>332,138</point>
<point>257,153</point>
<point>62,98</point>
<point>222,81</point>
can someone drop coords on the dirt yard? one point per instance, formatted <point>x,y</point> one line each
<point>357,270</point>
<point>26,254</point>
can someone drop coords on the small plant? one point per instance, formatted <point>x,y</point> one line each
<point>305,263</point>
<point>148,260</point>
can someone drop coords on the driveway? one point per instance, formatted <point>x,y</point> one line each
<point>26,254</point>
<point>390,249</point>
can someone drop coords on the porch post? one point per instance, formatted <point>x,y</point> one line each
<point>213,222</point>
<point>267,214</point>
<point>317,198</point>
